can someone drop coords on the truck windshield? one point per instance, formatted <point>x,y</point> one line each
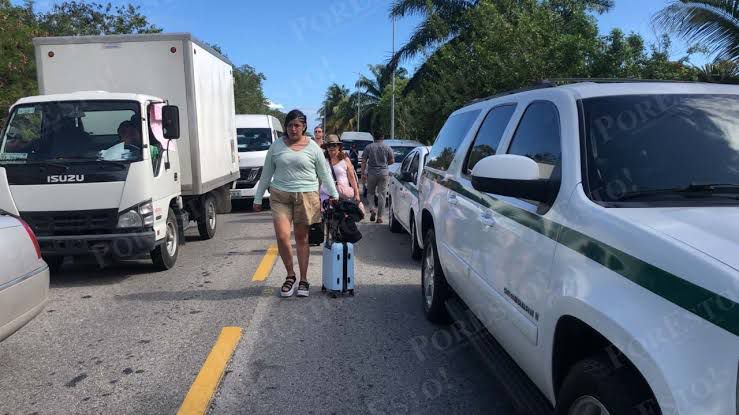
<point>253,139</point>
<point>681,149</point>
<point>73,130</point>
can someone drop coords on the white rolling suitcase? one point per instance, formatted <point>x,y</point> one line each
<point>338,268</point>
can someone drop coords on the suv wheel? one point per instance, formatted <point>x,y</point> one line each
<point>434,288</point>
<point>594,386</point>
<point>395,226</point>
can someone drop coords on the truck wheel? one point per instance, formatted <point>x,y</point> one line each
<point>434,288</point>
<point>416,252</point>
<point>395,226</point>
<point>207,222</point>
<point>164,256</point>
<point>595,386</point>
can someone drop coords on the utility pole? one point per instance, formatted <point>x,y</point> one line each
<point>359,101</point>
<point>392,101</point>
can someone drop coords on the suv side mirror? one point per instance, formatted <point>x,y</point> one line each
<point>171,122</point>
<point>514,176</point>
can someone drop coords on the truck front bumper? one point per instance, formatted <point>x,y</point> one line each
<point>123,245</point>
<point>246,191</point>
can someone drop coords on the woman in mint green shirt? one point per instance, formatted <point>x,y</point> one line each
<point>293,168</point>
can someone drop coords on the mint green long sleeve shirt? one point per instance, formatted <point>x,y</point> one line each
<point>295,171</point>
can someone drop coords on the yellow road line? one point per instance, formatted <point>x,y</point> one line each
<point>265,267</point>
<point>206,383</point>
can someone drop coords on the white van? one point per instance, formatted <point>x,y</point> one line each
<point>255,133</point>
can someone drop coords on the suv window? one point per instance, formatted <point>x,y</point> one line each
<point>449,139</point>
<point>538,137</point>
<point>489,135</point>
<point>413,168</point>
<point>406,165</point>
<point>665,150</point>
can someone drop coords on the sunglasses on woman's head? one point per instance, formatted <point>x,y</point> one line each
<point>332,145</point>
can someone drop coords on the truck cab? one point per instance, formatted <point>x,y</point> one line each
<point>95,173</point>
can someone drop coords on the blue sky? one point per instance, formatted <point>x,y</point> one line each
<point>303,46</point>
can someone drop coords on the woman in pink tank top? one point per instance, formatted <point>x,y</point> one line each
<point>346,179</point>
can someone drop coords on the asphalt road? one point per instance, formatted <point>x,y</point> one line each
<point>125,340</point>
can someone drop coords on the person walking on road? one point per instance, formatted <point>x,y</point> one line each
<point>293,167</point>
<point>318,135</point>
<point>375,161</point>
<point>346,179</point>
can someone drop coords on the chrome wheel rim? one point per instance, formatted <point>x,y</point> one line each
<point>211,213</point>
<point>428,276</point>
<point>171,239</point>
<point>588,405</point>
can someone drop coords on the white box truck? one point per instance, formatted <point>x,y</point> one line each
<point>132,137</point>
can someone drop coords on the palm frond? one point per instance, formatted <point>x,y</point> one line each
<point>403,8</point>
<point>714,23</point>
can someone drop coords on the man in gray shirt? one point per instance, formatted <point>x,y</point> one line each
<point>376,157</point>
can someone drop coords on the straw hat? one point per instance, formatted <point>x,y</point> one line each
<point>331,139</point>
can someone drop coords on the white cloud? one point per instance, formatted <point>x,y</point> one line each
<point>274,105</point>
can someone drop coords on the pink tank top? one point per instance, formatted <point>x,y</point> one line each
<point>342,179</point>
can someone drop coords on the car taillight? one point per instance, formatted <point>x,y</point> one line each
<point>33,237</point>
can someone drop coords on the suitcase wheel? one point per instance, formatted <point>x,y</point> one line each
<point>323,288</point>
<point>351,292</point>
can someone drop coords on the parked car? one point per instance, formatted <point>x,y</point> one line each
<point>401,149</point>
<point>24,276</point>
<point>255,133</point>
<point>403,197</point>
<point>593,229</point>
<point>361,139</point>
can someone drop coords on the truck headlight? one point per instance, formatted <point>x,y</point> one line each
<point>130,219</point>
<point>138,216</point>
<point>146,210</point>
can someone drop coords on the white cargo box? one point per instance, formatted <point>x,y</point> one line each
<point>175,67</point>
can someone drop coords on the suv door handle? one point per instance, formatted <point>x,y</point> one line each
<point>487,219</point>
<point>452,199</point>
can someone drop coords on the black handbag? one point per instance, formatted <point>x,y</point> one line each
<point>315,234</point>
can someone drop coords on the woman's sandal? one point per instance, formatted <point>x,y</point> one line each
<point>288,287</point>
<point>303,289</point>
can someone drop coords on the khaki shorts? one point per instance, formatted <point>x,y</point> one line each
<point>301,208</point>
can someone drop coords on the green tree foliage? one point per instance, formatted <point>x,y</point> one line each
<point>17,67</point>
<point>76,18</point>
<point>499,45</point>
<point>20,24</point>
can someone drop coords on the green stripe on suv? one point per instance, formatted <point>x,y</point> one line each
<point>710,306</point>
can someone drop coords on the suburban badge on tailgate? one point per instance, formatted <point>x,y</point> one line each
<point>65,178</point>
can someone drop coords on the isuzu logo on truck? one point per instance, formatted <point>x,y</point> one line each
<point>66,178</point>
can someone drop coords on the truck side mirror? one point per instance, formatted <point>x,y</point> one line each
<point>171,122</point>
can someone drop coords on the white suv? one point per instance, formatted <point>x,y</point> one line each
<point>593,229</point>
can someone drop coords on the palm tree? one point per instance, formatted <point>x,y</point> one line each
<point>371,90</point>
<point>335,95</point>
<point>444,20</point>
<point>713,23</point>
<point>719,72</point>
